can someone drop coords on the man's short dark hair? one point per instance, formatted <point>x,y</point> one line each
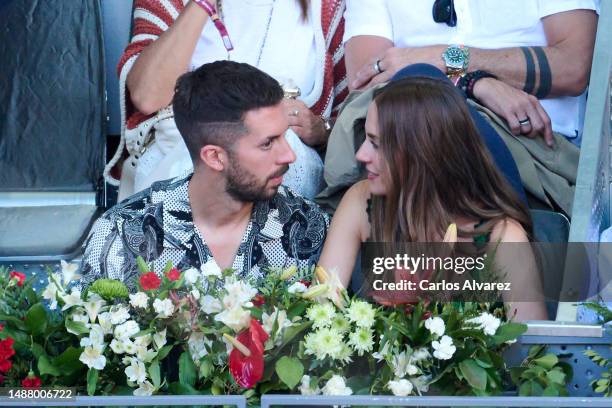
<point>210,103</point>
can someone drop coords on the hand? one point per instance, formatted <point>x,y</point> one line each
<point>523,112</point>
<point>393,59</point>
<point>308,126</point>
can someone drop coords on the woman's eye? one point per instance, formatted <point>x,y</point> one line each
<point>267,145</point>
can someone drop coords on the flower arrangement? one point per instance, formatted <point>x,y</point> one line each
<point>207,331</point>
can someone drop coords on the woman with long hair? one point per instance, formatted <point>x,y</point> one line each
<point>427,169</point>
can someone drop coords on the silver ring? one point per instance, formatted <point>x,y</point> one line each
<point>524,122</point>
<point>294,113</point>
<point>376,67</point>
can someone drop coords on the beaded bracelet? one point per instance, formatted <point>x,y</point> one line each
<point>467,82</point>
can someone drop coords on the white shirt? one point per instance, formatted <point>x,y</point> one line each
<point>487,24</point>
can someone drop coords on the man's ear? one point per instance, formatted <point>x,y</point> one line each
<point>214,157</point>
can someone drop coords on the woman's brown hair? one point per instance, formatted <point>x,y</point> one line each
<point>437,167</point>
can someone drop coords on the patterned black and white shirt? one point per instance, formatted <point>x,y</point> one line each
<point>157,224</point>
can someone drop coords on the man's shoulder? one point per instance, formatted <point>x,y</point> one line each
<point>285,197</point>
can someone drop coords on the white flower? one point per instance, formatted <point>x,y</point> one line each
<point>211,268</point>
<point>145,354</point>
<point>93,306</point>
<point>382,353</point>
<point>195,294</point>
<point>420,355</point>
<point>139,299</point>
<point>306,389</point>
<point>163,308</point>
<point>400,388</point>
<point>129,346</point>
<point>400,363</point>
<point>144,389</point>
<point>96,337</point>
<point>443,349</point>
<point>324,343</point>
<point>344,356</point>
<point>136,372</point>
<point>92,357</point>
<point>236,318</point>
<point>79,316</point>
<point>159,339</point>
<point>117,346</point>
<point>239,293</point>
<point>336,386</point>
<point>118,314</point>
<point>361,313</point>
<point>73,299</point>
<point>421,383</point>
<point>198,344</point>
<point>50,294</point>
<point>435,325</point>
<point>126,330</point>
<point>105,322</point>
<point>340,324</point>
<point>297,287</point>
<point>361,340</point>
<point>280,316</point>
<point>191,276</point>
<point>210,305</point>
<point>487,322</point>
<point>69,272</point>
<point>144,340</point>
<point>321,315</point>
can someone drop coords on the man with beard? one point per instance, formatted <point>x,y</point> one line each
<point>232,211</point>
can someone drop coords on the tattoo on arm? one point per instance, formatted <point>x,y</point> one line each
<point>530,71</point>
<point>545,74</point>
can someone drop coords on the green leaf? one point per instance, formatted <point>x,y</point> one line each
<point>206,368</point>
<point>16,321</point>
<point>548,361</point>
<point>155,374</point>
<point>556,376</point>
<point>36,319</point>
<point>475,375</point>
<point>142,265</point>
<point>290,371</point>
<point>76,327</point>
<point>550,391</point>
<point>68,362</point>
<point>292,331</point>
<point>187,369</point>
<point>45,367</point>
<point>509,331</point>
<point>37,350</point>
<point>530,388</point>
<point>177,388</point>
<point>92,380</point>
<point>163,352</point>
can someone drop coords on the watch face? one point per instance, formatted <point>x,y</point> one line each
<point>454,57</point>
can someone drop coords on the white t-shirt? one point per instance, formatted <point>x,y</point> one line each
<point>484,24</point>
<point>287,51</point>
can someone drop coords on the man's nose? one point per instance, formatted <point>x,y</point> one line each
<point>286,154</point>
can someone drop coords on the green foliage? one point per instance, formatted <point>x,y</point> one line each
<point>541,374</point>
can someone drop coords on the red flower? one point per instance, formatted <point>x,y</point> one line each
<point>248,370</point>
<point>5,365</point>
<point>1,327</point>
<point>305,283</point>
<point>150,281</point>
<point>6,348</point>
<point>259,300</point>
<point>173,274</point>
<point>31,381</point>
<point>20,277</point>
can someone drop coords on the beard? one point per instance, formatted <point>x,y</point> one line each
<point>243,186</point>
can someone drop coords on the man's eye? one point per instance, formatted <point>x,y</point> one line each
<point>267,144</point>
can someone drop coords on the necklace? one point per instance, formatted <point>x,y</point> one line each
<point>265,36</point>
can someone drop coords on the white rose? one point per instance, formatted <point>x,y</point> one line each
<point>435,325</point>
<point>443,349</point>
<point>336,386</point>
<point>306,389</point>
<point>210,305</point>
<point>400,388</point>
<point>139,299</point>
<point>236,318</point>
<point>211,268</point>
<point>297,287</point>
<point>191,276</point>
<point>163,308</point>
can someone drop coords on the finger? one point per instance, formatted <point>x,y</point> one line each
<point>513,122</point>
<point>380,78</point>
<point>525,124</point>
<point>548,132</point>
<point>364,75</point>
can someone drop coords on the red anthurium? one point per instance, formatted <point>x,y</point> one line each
<point>247,370</point>
<point>173,274</point>
<point>149,281</point>
<point>19,276</point>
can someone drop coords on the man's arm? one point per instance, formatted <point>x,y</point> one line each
<point>561,68</point>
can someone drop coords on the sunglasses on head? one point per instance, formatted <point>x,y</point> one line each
<point>444,12</point>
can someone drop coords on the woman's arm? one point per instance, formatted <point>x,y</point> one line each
<point>349,228</point>
<point>153,76</point>
<point>515,260</point>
